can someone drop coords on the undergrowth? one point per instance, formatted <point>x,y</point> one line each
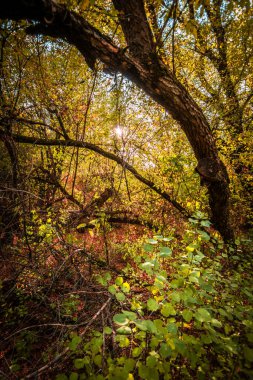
<point>179,309</point>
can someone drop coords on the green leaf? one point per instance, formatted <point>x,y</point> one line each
<point>107,330</point>
<point>187,315</point>
<point>79,363</point>
<point>123,341</point>
<point>205,223</point>
<point>177,283</point>
<point>168,309</point>
<point>158,237</point>
<point>152,241</point>
<point>169,238</point>
<point>124,330</point>
<point>129,364</point>
<point>137,351</point>
<point>202,315</point>
<point>120,297</point>
<point>152,304</point>
<point>172,328</point>
<point>175,297</point>
<point>248,354</point>
<point>119,281</point>
<point>74,342</point>
<point>151,361</point>
<point>120,319</point>
<point>165,350</point>
<point>216,323</point>
<point>73,376</point>
<point>165,252</point>
<point>193,279</point>
<point>148,248</point>
<point>146,325</point>
<point>97,360</point>
<point>129,314</point>
<point>147,373</point>
<point>147,265</point>
<point>112,289</point>
<point>61,376</point>
<point>250,337</point>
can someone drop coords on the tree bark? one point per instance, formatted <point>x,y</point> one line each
<point>146,70</point>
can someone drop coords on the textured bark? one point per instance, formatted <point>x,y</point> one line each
<point>148,72</point>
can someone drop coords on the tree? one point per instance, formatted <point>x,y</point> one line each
<point>141,62</point>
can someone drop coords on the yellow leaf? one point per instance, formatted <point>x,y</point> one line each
<point>84,4</point>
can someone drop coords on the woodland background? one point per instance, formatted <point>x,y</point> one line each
<point>126,189</point>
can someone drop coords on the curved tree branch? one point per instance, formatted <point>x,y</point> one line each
<point>102,152</point>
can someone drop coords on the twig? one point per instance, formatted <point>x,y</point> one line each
<point>67,349</point>
<point>37,326</point>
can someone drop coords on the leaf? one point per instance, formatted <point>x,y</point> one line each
<point>248,354</point>
<point>125,287</point>
<point>73,376</point>
<point>165,350</point>
<point>158,237</point>
<point>193,279</point>
<point>79,363</point>
<point>148,373</point>
<point>112,289</point>
<point>120,297</point>
<point>119,281</point>
<point>129,364</point>
<point>137,351</point>
<point>148,247</point>
<point>129,314</point>
<point>202,315</point>
<point>187,315</point>
<point>74,342</point>
<point>165,252</point>
<point>152,241</point>
<point>61,376</point>
<point>205,223</point>
<point>175,297</point>
<point>124,330</point>
<point>147,265</point>
<point>120,319</point>
<point>216,323</point>
<point>107,330</point>
<point>168,238</point>
<point>82,225</point>
<point>168,309</point>
<point>123,341</point>
<point>152,304</point>
<point>146,325</point>
<point>97,360</point>
<point>190,248</point>
<point>151,361</point>
<point>250,337</point>
<point>177,283</point>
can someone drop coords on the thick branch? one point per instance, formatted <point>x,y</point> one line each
<point>102,152</point>
<point>137,32</point>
